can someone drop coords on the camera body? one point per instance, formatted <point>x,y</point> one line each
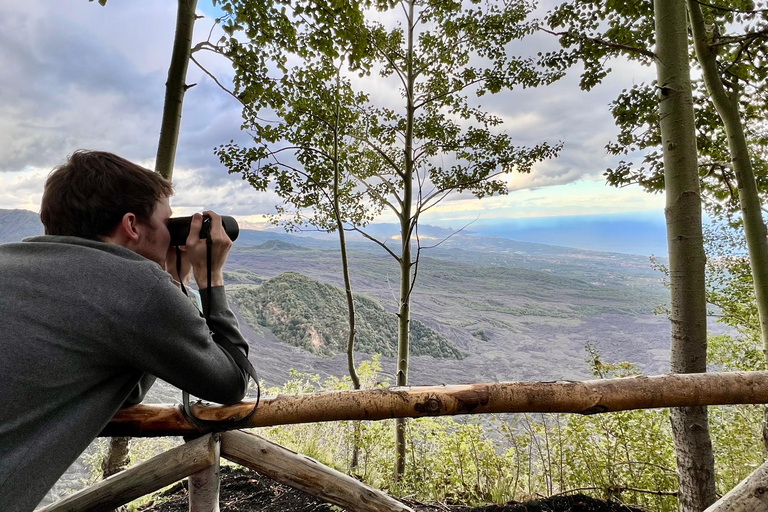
<point>178,227</point>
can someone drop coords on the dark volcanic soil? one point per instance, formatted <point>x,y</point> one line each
<point>243,490</point>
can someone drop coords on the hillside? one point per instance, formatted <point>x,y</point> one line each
<point>514,323</point>
<point>517,310</point>
<point>15,225</point>
<point>305,313</point>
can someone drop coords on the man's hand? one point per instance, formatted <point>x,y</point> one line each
<point>197,250</point>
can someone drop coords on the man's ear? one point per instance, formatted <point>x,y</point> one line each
<point>127,229</point>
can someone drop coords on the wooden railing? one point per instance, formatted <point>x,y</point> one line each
<point>200,458</point>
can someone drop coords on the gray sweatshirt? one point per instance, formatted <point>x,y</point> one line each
<point>81,322</point>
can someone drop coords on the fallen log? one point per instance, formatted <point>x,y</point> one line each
<point>580,397</point>
<point>304,473</point>
<point>750,495</point>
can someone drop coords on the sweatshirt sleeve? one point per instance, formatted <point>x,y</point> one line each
<point>171,340</point>
<point>140,391</point>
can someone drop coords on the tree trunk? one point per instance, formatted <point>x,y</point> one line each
<point>727,106</point>
<point>588,397</point>
<point>204,485</point>
<point>345,272</point>
<point>116,459</point>
<point>690,429</point>
<point>406,232</point>
<point>175,87</point>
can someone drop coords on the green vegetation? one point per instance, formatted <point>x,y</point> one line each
<point>303,312</point>
<point>626,456</point>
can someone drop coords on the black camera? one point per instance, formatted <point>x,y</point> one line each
<point>178,227</point>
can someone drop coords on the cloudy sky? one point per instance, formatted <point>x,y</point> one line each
<point>79,75</point>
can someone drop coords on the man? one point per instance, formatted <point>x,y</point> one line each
<point>89,314</point>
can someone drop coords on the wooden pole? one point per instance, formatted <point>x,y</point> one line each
<point>135,482</point>
<point>305,473</point>
<point>204,485</point>
<point>581,397</point>
<point>750,495</point>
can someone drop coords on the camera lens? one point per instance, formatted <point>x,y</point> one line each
<point>178,227</point>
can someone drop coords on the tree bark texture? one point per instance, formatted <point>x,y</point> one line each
<point>116,459</point>
<point>690,429</point>
<point>727,106</point>
<point>581,397</point>
<point>175,87</point>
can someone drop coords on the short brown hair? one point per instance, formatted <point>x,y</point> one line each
<point>89,194</point>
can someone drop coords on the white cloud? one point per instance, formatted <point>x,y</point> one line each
<point>78,75</point>
<point>22,189</point>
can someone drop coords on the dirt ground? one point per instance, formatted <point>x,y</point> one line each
<point>243,490</point>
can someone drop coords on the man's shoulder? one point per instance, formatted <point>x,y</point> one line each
<point>80,249</point>
<point>87,260</point>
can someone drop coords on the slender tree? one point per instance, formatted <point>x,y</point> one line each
<point>662,115</point>
<point>305,157</point>
<point>116,458</point>
<point>407,159</point>
<point>730,40</point>
<point>175,88</point>
<point>688,353</point>
<point>725,89</point>
<point>305,154</point>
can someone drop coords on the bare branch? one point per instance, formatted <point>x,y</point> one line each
<point>751,36</point>
<point>377,241</point>
<point>216,80</point>
<point>603,42</point>
<point>430,99</point>
<point>380,152</point>
<point>414,264</point>
<point>452,234</point>
<point>729,9</point>
<point>207,45</point>
<point>381,198</point>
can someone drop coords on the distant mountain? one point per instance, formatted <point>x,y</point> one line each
<point>279,245</point>
<point>308,314</point>
<point>642,233</point>
<point>16,225</point>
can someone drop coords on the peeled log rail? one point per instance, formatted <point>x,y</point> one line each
<point>135,482</point>
<point>750,495</point>
<point>305,473</point>
<point>581,397</point>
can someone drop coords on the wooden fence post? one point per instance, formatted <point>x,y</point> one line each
<point>135,482</point>
<point>204,485</point>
